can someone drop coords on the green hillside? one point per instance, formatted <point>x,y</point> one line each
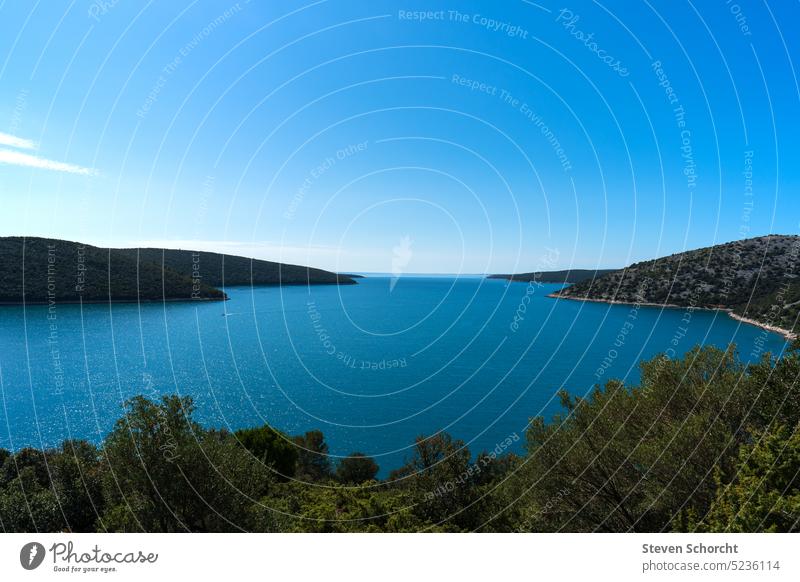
<point>37,270</point>
<point>755,278</point>
<point>217,269</point>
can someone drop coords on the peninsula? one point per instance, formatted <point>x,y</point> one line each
<point>40,271</point>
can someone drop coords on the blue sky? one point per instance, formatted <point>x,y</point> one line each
<point>476,137</point>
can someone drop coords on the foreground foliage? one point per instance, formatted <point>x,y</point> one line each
<point>703,443</point>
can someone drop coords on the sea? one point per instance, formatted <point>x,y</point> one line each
<point>373,365</point>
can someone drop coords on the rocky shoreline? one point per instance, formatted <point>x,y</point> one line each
<point>787,334</point>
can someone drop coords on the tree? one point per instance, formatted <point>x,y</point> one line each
<point>271,447</point>
<point>303,507</point>
<point>356,469</point>
<point>313,463</point>
<point>27,458</point>
<point>764,494</point>
<point>442,479</point>
<point>167,474</point>
<point>634,458</point>
<point>76,473</point>
<point>27,499</point>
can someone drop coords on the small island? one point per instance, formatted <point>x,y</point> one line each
<point>43,271</point>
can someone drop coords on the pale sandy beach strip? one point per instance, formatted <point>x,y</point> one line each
<point>774,328</point>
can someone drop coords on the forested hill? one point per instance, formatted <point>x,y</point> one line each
<point>37,270</point>
<point>756,278</point>
<point>229,270</point>
<point>566,276</point>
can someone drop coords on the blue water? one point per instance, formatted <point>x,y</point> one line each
<point>371,365</point>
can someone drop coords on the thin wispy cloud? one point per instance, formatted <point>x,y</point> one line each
<point>16,142</point>
<point>31,161</point>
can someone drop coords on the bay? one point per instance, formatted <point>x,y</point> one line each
<point>372,365</point>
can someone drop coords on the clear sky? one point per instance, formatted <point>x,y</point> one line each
<point>364,136</point>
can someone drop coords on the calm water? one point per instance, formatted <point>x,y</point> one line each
<point>370,365</point>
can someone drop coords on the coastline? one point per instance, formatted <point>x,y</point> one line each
<point>787,335</point>
<point>107,301</point>
<point>169,299</point>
